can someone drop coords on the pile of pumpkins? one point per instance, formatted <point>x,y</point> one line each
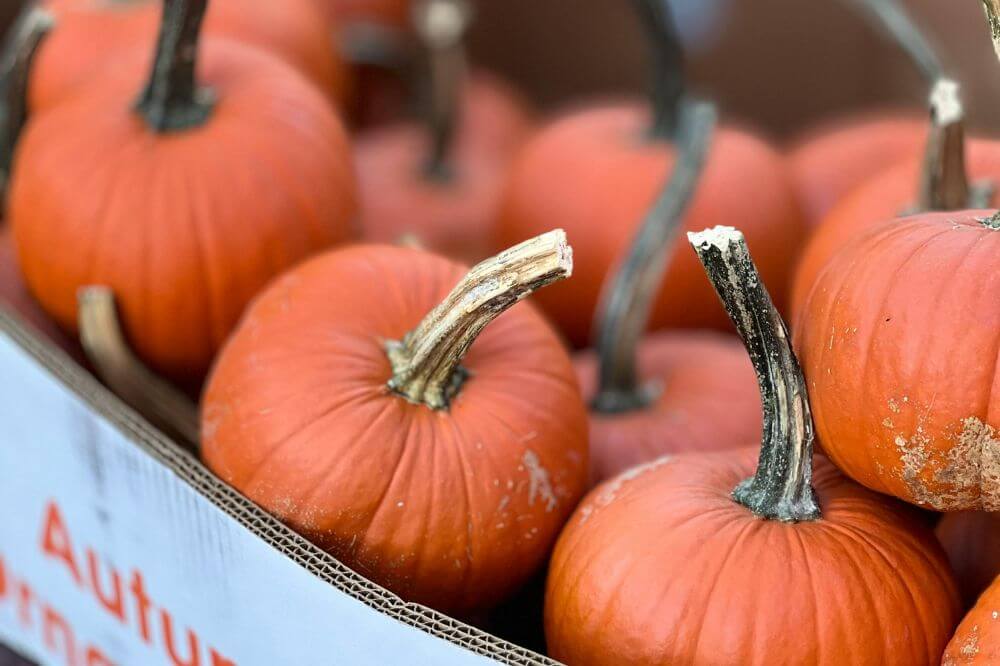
<point>310,286</point>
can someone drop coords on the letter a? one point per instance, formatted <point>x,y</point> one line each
<point>56,543</point>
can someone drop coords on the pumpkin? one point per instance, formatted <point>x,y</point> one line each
<point>832,160</point>
<point>14,295</point>
<point>350,413</point>
<point>671,391</point>
<point>972,541</point>
<point>977,640</point>
<point>186,205</point>
<point>686,560</point>
<point>442,181</point>
<point>898,340</point>
<point>597,171</point>
<point>92,34</point>
<point>965,178</point>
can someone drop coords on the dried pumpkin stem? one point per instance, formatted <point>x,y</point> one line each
<point>898,24</point>
<point>667,86</point>
<point>27,33</point>
<point>172,99</point>
<point>104,343</point>
<point>944,180</point>
<point>993,17</point>
<point>426,363</point>
<point>442,25</point>
<point>628,298</point>
<point>781,489</point>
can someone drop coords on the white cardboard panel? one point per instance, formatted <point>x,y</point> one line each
<point>239,595</point>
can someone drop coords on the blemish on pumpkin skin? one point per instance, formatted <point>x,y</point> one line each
<point>610,491</point>
<point>538,480</point>
<point>971,646</point>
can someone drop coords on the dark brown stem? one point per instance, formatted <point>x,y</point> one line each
<point>627,300</point>
<point>172,100</point>
<point>426,363</point>
<point>896,22</point>
<point>667,55</point>
<point>442,25</point>
<point>104,343</point>
<point>27,33</point>
<point>781,489</point>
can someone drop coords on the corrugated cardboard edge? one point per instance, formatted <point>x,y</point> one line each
<point>288,543</point>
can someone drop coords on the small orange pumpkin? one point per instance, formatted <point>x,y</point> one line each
<point>91,35</point>
<point>972,541</point>
<point>687,561</point>
<point>977,641</point>
<point>898,340</point>
<point>345,409</point>
<point>186,205</point>
<point>441,183</point>
<point>596,172</point>
<point>671,391</point>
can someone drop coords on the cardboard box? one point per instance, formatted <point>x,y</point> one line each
<point>118,547</point>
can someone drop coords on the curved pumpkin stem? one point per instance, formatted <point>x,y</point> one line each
<point>668,86</point>
<point>898,24</point>
<point>104,343</point>
<point>426,363</point>
<point>627,300</point>
<point>27,33</point>
<point>172,99</point>
<point>442,25</point>
<point>781,489</point>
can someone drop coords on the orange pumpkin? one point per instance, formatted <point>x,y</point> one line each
<point>671,391</point>
<point>186,206</point>
<point>441,182</point>
<point>596,172</point>
<point>883,198</point>
<point>92,34</point>
<point>687,561</point>
<point>972,541</point>
<point>443,476</point>
<point>977,641</point>
<point>898,340</point>
<point>832,160</point>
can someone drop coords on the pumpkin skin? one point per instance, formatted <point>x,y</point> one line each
<point>709,402</point>
<point>883,198</point>
<point>454,509</point>
<point>71,55</point>
<point>593,174</point>
<point>394,13</point>
<point>898,342</point>
<point>972,541</point>
<point>452,216</point>
<point>184,227</point>
<point>661,566</point>
<point>977,641</point>
<point>832,160</point>
<point>14,294</point>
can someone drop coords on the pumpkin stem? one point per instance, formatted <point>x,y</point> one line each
<point>627,299</point>
<point>104,343</point>
<point>944,181</point>
<point>993,17</point>
<point>425,364</point>
<point>781,489</point>
<point>992,222</point>
<point>667,86</point>
<point>896,22</point>
<point>27,33</point>
<point>172,100</point>
<point>441,25</point>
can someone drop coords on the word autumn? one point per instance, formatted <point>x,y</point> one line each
<point>126,599</point>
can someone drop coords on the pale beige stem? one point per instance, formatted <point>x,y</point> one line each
<point>993,15</point>
<point>426,362</point>
<point>104,343</point>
